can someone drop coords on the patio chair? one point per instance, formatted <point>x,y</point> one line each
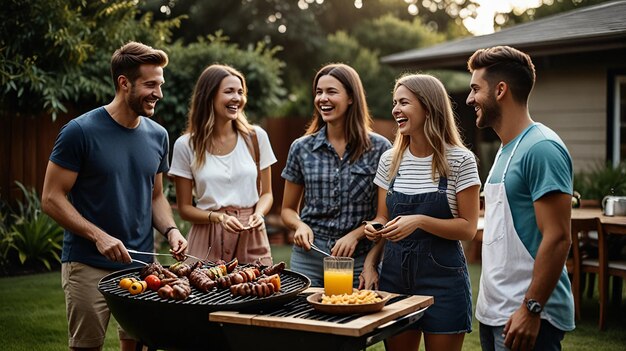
<point>615,268</point>
<point>583,261</point>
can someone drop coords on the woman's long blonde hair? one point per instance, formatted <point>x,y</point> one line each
<point>358,122</point>
<point>201,116</point>
<point>440,126</point>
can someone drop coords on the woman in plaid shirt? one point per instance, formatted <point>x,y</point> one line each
<point>333,165</point>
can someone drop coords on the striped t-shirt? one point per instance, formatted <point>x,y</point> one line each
<point>415,174</point>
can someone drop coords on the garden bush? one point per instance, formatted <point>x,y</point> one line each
<point>31,235</point>
<point>601,180</point>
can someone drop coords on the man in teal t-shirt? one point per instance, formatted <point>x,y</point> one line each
<point>525,299</point>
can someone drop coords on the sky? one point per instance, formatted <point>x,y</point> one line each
<point>483,24</point>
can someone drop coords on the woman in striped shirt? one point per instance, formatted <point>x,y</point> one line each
<point>428,201</point>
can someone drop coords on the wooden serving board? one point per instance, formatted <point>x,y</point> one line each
<point>358,327</point>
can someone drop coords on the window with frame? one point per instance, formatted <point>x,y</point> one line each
<point>617,120</point>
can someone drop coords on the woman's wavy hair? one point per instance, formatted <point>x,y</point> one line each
<point>358,122</point>
<point>201,116</point>
<point>440,126</point>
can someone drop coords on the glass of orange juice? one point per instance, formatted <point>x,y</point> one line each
<point>338,273</point>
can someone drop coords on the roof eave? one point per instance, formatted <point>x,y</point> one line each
<point>458,60</point>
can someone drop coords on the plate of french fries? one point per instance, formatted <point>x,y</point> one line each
<point>359,302</point>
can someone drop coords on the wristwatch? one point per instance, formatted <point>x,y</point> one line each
<point>533,306</point>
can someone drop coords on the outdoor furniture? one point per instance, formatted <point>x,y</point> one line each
<point>583,262</point>
<point>610,267</point>
<point>614,268</point>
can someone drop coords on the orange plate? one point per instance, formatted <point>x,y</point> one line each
<point>316,301</point>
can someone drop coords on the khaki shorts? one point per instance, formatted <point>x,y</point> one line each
<point>87,312</point>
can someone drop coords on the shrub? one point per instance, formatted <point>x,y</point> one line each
<point>259,65</point>
<point>602,180</point>
<point>34,235</point>
<point>57,52</point>
<point>6,236</point>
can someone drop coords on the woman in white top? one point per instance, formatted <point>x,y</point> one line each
<point>230,176</point>
<point>427,201</point>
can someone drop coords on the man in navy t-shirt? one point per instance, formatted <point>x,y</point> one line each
<point>103,184</point>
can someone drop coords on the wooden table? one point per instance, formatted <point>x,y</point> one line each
<point>610,224</point>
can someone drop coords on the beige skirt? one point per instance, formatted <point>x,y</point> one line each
<point>247,246</point>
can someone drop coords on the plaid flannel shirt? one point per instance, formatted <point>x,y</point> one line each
<point>338,194</point>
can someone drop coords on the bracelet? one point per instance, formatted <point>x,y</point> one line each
<point>168,230</point>
<point>210,213</point>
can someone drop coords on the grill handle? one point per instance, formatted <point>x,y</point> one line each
<point>394,327</point>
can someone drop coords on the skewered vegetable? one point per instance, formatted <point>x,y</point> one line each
<point>137,287</point>
<point>153,282</point>
<point>125,283</point>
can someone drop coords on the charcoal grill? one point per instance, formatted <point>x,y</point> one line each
<point>184,324</point>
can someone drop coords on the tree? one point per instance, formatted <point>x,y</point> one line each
<point>58,51</point>
<point>257,63</point>
<point>303,28</point>
<point>548,8</point>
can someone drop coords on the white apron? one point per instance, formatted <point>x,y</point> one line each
<point>507,266</point>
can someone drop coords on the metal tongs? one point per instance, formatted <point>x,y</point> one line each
<point>319,250</point>
<point>138,261</point>
<point>160,254</point>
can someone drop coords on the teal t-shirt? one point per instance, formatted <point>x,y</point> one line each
<point>541,165</point>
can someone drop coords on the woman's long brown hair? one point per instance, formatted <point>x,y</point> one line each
<point>358,122</point>
<point>201,116</point>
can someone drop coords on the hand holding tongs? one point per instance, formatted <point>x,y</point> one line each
<point>319,250</point>
<point>160,254</point>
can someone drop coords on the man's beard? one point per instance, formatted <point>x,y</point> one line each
<point>490,114</point>
<point>136,104</point>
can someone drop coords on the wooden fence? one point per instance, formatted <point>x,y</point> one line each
<point>26,143</point>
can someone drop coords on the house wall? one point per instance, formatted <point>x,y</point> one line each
<point>572,101</point>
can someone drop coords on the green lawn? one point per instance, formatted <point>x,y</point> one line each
<point>32,317</point>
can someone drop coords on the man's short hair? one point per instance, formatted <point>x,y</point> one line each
<point>504,63</point>
<point>127,60</point>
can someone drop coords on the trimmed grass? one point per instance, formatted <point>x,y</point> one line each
<point>32,316</point>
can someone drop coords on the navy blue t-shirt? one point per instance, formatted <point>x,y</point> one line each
<point>116,169</point>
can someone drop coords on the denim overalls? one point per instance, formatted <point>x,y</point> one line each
<point>425,264</point>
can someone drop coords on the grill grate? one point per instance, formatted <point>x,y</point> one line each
<point>291,284</point>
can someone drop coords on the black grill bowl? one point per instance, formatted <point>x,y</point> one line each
<point>184,325</point>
